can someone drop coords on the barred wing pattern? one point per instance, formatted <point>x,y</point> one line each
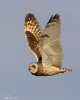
<point>50,47</point>
<point>33,34</point>
<point>45,46</point>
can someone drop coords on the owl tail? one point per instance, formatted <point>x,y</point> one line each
<point>66,70</point>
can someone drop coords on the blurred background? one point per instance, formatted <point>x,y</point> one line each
<point>15,79</point>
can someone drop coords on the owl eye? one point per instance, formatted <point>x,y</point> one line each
<point>33,66</point>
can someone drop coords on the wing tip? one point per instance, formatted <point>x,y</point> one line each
<point>54,17</point>
<point>29,15</point>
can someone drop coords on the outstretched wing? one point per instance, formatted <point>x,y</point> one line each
<point>33,34</point>
<point>50,47</point>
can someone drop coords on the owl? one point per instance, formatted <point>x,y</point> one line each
<point>45,45</point>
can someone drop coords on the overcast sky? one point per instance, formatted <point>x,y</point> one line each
<point>15,57</point>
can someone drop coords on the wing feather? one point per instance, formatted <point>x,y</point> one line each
<point>33,34</point>
<point>50,47</point>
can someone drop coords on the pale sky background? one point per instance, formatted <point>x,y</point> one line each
<point>15,57</point>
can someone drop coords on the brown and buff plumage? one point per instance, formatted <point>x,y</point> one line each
<point>45,46</point>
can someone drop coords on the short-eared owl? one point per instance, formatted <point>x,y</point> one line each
<point>45,46</point>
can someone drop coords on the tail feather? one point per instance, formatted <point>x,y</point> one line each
<point>66,70</point>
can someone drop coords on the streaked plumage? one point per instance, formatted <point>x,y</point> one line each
<point>45,46</point>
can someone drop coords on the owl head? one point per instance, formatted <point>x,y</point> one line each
<point>33,68</point>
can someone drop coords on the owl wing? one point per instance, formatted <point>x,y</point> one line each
<point>50,47</point>
<point>33,34</point>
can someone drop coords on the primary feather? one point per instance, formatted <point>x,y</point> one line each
<point>33,34</point>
